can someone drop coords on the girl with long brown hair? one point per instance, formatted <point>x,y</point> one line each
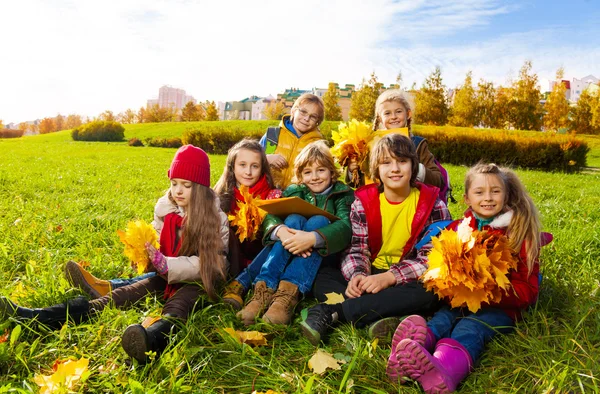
<point>191,260</point>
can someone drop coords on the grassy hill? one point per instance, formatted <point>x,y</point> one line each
<point>64,200</point>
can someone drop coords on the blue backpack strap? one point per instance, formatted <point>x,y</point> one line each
<point>431,231</point>
<point>272,139</point>
<point>416,140</point>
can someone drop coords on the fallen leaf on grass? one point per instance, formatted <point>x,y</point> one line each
<point>334,298</point>
<point>150,320</point>
<point>254,338</point>
<point>322,360</point>
<point>265,392</point>
<point>66,374</point>
<point>4,337</point>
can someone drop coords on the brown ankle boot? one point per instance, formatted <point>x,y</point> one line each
<point>258,303</point>
<point>234,295</point>
<point>87,282</point>
<point>283,304</point>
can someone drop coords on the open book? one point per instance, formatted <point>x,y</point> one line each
<point>283,207</point>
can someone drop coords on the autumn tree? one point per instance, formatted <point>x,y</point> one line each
<point>582,114</point>
<point>362,106</point>
<point>107,116</point>
<point>464,108</point>
<point>191,112</point>
<point>127,117</point>
<point>557,106</point>
<point>525,108</point>
<point>141,115</point>
<point>431,103</point>
<point>212,113</point>
<point>1,124</point>
<point>59,123</point>
<point>485,104</point>
<point>23,126</point>
<point>330,99</point>
<point>47,126</point>
<point>274,110</point>
<point>73,121</point>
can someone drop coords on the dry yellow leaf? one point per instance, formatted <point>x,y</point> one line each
<point>67,373</point>
<point>248,218</point>
<point>265,392</point>
<point>334,298</point>
<point>135,236</point>
<point>322,360</point>
<point>253,338</point>
<point>150,320</point>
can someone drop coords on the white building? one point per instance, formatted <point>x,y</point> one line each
<point>579,85</point>
<point>259,106</point>
<point>169,96</point>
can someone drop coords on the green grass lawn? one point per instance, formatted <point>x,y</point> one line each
<point>64,200</point>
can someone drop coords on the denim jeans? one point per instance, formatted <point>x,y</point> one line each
<point>282,265</point>
<point>472,330</point>
<point>116,283</point>
<point>246,277</point>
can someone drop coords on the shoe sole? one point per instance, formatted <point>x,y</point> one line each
<point>413,327</point>
<point>135,343</point>
<point>383,328</point>
<point>312,335</point>
<point>235,304</point>
<point>416,362</point>
<point>74,275</point>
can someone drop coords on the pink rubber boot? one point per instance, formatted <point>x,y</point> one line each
<point>437,373</point>
<point>413,327</point>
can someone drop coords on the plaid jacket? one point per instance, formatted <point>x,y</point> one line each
<point>358,256</point>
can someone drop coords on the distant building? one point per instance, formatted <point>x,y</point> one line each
<point>579,85</point>
<point>245,109</point>
<point>259,106</point>
<point>169,96</point>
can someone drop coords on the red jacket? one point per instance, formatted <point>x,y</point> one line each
<point>525,285</point>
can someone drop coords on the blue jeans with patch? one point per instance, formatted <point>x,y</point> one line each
<point>116,283</point>
<point>472,330</point>
<point>283,265</point>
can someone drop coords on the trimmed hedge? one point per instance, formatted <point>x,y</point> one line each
<point>164,142</point>
<point>11,133</point>
<point>99,130</point>
<point>543,151</point>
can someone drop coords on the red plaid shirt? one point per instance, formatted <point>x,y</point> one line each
<point>357,257</point>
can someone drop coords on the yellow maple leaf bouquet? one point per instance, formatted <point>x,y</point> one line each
<point>135,236</point>
<point>469,267</point>
<point>248,217</point>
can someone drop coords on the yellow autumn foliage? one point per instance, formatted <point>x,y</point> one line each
<point>135,236</point>
<point>248,217</point>
<point>469,267</point>
<point>66,374</point>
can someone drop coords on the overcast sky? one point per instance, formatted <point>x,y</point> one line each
<point>84,57</point>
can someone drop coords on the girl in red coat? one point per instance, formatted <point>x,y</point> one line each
<point>440,353</point>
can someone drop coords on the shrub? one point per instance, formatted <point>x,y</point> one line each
<point>11,133</point>
<point>544,151</point>
<point>99,130</point>
<point>135,142</point>
<point>164,142</point>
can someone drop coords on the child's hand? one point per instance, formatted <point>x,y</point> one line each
<point>353,164</point>
<point>300,243</point>
<point>283,233</point>
<point>277,161</point>
<point>158,260</point>
<point>353,290</point>
<point>375,283</point>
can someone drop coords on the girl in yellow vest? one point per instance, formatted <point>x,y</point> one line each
<point>282,144</point>
<point>393,114</point>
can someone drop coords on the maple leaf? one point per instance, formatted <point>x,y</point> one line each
<point>135,236</point>
<point>4,337</point>
<point>334,298</point>
<point>469,267</point>
<point>248,217</point>
<point>321,361</point>
<point>66,374</point>
<point>253,338</point>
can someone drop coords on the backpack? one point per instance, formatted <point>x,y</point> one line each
<point>446,189</point>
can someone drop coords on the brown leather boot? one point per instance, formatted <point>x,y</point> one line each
<point>234,295</point>
<point>258,303</point>
<point>283,304</point>
<point>87,282</point>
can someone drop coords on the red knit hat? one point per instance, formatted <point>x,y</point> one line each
<point>191,163</point>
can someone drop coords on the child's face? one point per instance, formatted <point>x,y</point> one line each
<point>395,173</point>
<point>486,195</point>
<point>181,190</point>
<point>305,117</point>
<point>393,115</point>
<point>317,177</point>
<point>247,167</point>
